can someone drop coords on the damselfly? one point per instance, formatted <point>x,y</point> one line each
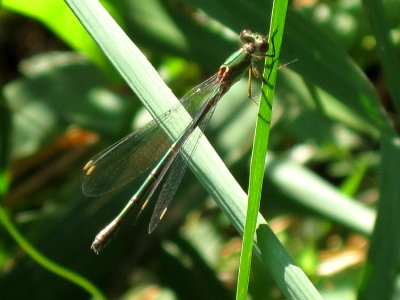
<point>131,156</point>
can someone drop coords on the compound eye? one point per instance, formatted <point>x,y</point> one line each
<point>246,36</point>
<point>263,45</point>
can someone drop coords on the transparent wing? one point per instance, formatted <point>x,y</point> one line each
<point>175,175</point>
<point>140,150</point>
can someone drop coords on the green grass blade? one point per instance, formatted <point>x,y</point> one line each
<point>46,262</point>
<point>379,280</point>
<point>310,190</point>
<point>260,146</point>
<point>386,50</point>
<point>257,174</point>
<point>380,275</point>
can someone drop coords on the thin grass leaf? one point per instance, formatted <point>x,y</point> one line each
<point>386,50</point>
<point>45,262</point>
<point>381,271</point>
<point>380,277</point>
<point>310,190</point>
<point>260,145</point>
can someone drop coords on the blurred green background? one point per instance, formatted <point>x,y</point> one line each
<point>63,102</point>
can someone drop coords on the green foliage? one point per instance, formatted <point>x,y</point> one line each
<point>321,187</point>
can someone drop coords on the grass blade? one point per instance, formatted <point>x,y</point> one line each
<point>260,146</point>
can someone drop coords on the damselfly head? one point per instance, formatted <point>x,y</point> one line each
<point>257,42</point>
